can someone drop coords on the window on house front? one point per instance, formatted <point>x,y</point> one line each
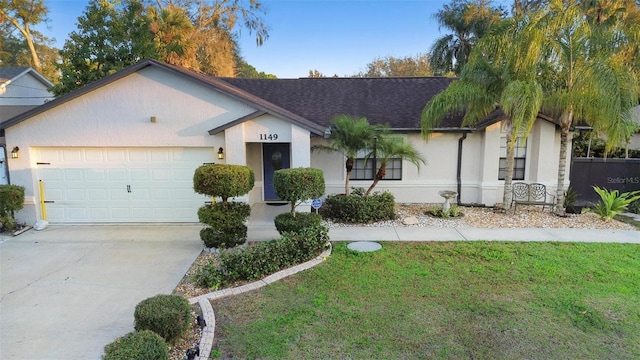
<point>520,158</point>
<point>365,169</point>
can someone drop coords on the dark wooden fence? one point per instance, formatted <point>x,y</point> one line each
<point>612,174</point>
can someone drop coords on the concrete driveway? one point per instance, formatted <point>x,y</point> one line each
<point>67,291</point>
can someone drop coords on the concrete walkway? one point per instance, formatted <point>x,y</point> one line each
<point>406,233</point>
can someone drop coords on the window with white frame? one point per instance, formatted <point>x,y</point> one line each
<point>365,169</point>
<point>520,158</point>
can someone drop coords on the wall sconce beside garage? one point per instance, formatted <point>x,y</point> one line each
<point>15,153</point>
<point>153,119</point>
<point>220,153</point>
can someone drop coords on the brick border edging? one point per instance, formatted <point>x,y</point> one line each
<point>208,332</point>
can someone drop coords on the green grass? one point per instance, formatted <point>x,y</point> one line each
<point>481,300</point>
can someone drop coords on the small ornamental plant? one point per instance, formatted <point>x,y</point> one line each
<point>296,186</point>
<point>166,315</point>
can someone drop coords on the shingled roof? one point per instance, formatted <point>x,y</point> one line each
<point>397,102</point>
<point>313,102</point>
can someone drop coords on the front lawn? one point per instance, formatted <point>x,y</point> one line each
<point>480,300</point>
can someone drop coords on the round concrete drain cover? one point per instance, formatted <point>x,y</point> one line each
<point>364,246</point>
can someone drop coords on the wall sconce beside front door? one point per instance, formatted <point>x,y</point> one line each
<point>15,153</point>
<point>220,153</point>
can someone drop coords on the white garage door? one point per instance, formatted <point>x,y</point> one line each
<point>101,185</point>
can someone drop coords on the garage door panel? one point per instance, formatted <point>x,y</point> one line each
<point>96,175</point>
<point>72,156</point>
<point>118,195</point>
<point>138,155</point>
<point>51,175</point>
<point>73,175</point>
<point>77,213</point>
<point>99,213</point>
<point>75,195</point>
<point>97,194</point>
<point>122,185</point>
<point>117,175</point>
<point>116,155</point>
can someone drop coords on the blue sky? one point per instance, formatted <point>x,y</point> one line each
<point>333,36</point>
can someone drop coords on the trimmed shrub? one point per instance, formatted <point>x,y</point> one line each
<point>226,220</point>
<point>266,258</point>
<point>298,184</point>
<point>358,208</point>
<point>11,199</point>
<point>209,276</point>
<point>231,213</point>
<point>287,222</point>
<point>167,315</point>
<point>223,180</point>
<point>223,239</point>
<point>226,224</point>
<point>141,345</point>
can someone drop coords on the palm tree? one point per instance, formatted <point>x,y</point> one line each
<point>491,80</point>
<point>468,20</point>
<point>172,33</point>
<point>588,73</point>
<point>387,147</point>
<point>349,135</point>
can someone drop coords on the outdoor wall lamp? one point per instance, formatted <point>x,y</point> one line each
<point>220,153</point>
<point>15,153</point>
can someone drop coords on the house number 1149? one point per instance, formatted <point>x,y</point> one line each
<point>268,136</point>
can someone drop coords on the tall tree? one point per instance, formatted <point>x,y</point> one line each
<point>217,24</point>
<point>468,20</point>
<point>316,74</point>
<point>392,66</point>
<point>173,36</point>
<point>245,70</point>
<point>109,38</point>
<point>22,14</point>
<point>14,51</point>
<point>349,135</point>
<point>585,72</point>
<point>491,80</point>
<point>195,34</point>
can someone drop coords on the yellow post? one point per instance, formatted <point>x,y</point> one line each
<point>42,207</point>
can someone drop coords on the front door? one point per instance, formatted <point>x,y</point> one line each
<point>274,157</point>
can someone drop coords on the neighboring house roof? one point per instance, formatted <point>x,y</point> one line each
<point>9,74</point>
<point>310,102</point>
<point>10,111</point>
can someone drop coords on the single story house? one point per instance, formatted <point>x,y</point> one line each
<point>124,148</point>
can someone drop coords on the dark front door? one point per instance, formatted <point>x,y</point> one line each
<point>274,157</point>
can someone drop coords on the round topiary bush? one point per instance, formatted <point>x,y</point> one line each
<point>223,180</point>
<point>140,345</point>
<point>223,238</point>
<point>167,315</point>
<point>287,222</point>
<point>226,224</point>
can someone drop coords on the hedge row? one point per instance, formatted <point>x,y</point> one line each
<point>358,208</point>
<point>263,258</point>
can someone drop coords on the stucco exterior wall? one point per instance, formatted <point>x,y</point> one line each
<point>119,115</point>
<point>479,167</point>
